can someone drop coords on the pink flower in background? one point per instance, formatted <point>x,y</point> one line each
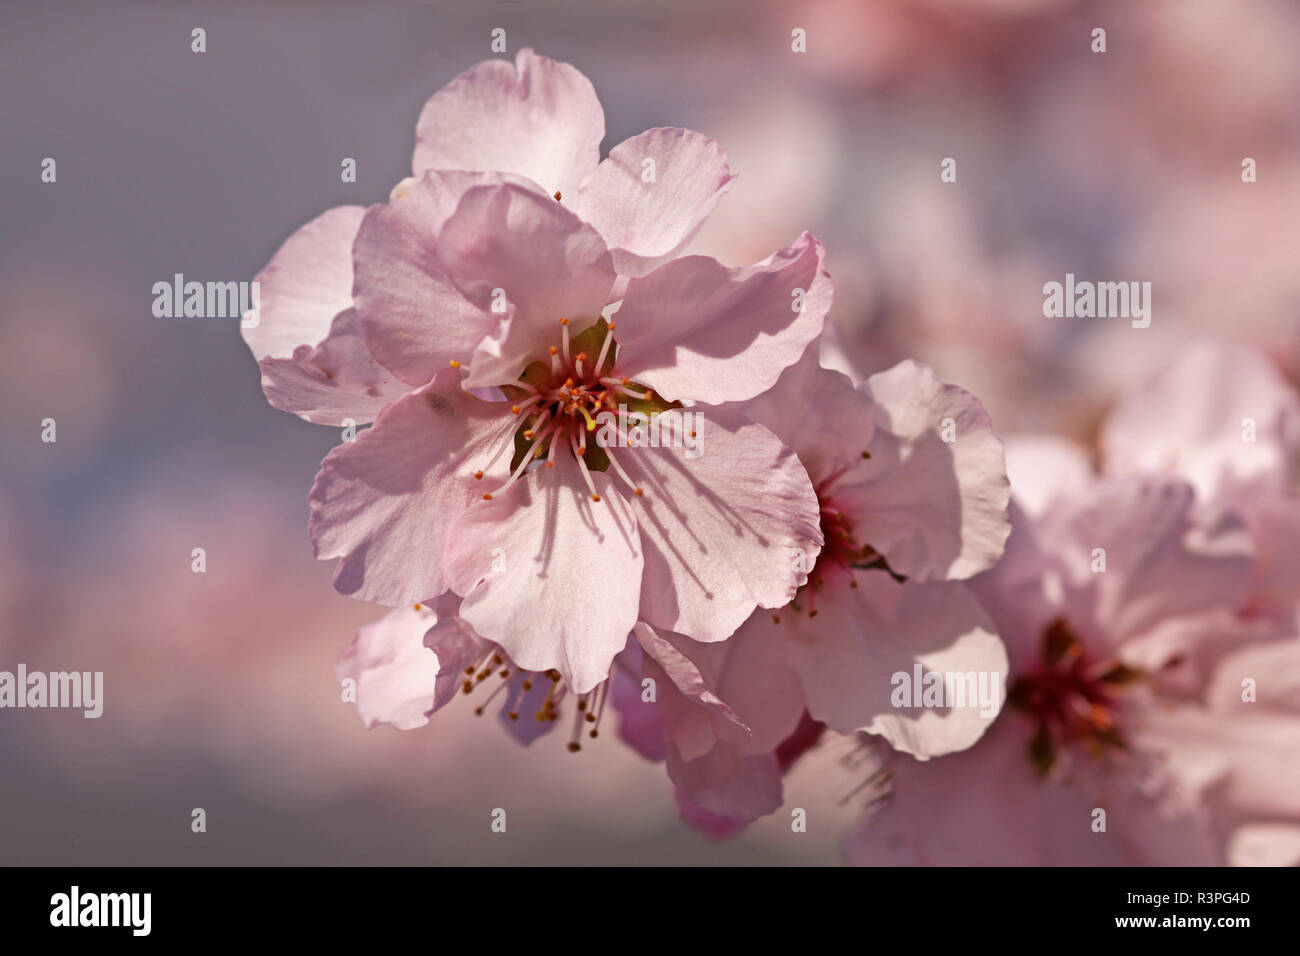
<point>897,500</point>
<point>1217,414</point>
<point>509,327</point>
<point>1113,604</point>
<point>1220,416</point>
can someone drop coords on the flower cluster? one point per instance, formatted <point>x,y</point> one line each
<point>796,552</point>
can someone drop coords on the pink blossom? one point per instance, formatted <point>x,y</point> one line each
<point>473,317</point>
<point>1115,606</point>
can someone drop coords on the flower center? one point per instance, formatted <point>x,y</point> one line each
<point>1072,699</point>
<point>560,401</point>
<point>840,554</point>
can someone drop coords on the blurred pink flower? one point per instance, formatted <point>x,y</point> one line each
<point>1220,416</point>
<point>1113,604</point>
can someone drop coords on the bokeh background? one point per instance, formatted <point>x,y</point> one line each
<point>219,687</point>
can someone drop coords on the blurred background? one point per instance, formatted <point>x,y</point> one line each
<point>219,687</point>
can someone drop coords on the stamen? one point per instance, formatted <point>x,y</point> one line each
<point>564,328</point>
<point>618,469</point>
<point>509,443</point>
<point>603,690</point>
<point>604,348</point>
<point>574,746</point>
<point>528,457</point>
<point>582,466</point>
<point>478,711</point>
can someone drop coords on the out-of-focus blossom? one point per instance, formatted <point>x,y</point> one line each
<point>1102,603</point>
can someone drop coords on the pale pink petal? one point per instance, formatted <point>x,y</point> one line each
<point>1044,470</point>
<point>1264,844</point>
<point>1245,746</point>
<point>700,712</point>
<point>304,333</point>
<point>550,575</point>
<point>1158,564</point>
<point>395,675</point>
<point>457,647</point>
<point>1220,416</point>
<point>1276,589</point>
<point>691,722</point>
<point>538,118</point>
<point>935,508</point>
<point>866,640</point>
<point>641,721</point>
<point>414,317</point>
<point>715,826</point>
<point>1246,759</point>
<point>729,783</point>
<point>408,664</point>
<point>724,532</point>
<point>305,285</point>
<point>335,383</point>
<point>819,414</point>
<point>651,194</point>
<point>748,675</point>
<point>510,245</point>
<point>695,329</point>
<point>383,503</point>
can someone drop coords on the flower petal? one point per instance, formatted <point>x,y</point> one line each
<point>645,220</point>
<point>728,783</point>
<point>723,532</point>
<point>1190,420</point>
<point>550,575</point>
<point>395,674</point>
<point>509,244</point>
<point>303,332</point>
<point>935,509</point>
<point>695,329</point>
<point>335,382</point>
<point>383,502</point>
<point>820,414</point>
<point>305,285</point>
<point>408,664</point>
<point>848,656</point>
<point>1159,565</point>
<point>415,318</point>
<point>539,119</point>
